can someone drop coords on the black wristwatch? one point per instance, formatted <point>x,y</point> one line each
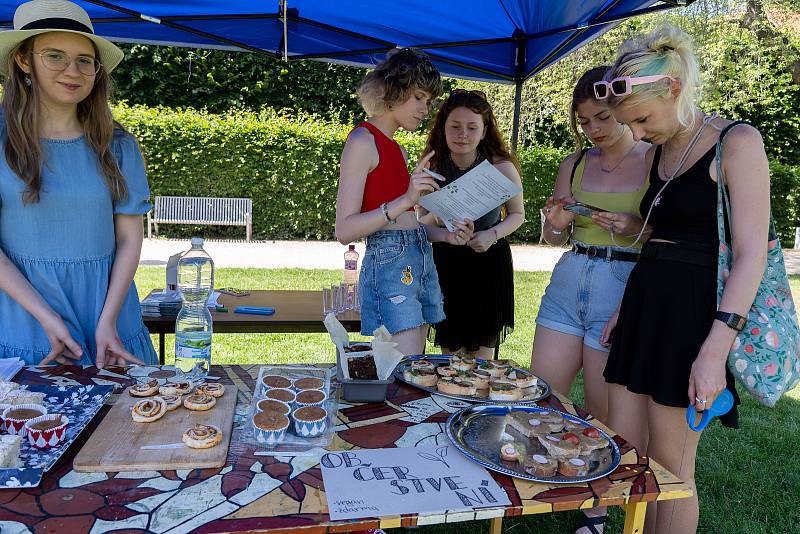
<point>733,320</point>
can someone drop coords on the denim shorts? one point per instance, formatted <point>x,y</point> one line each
<point>398,285</point>
<point>583,294</point>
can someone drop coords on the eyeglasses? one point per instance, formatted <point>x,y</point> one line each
<point>459,91</point>
<point>623,85</point>
<point>59,61</point>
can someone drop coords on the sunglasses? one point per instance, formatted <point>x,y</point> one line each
<point>623,85</point>
<point>459,91</point>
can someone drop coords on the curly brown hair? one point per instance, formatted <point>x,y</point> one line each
<point>393,80</point>
<point>492,146</point>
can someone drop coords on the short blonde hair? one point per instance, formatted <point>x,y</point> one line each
<point>666,50</point>
<point>393,80</point>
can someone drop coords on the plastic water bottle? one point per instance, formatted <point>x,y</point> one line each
<point>350,276</point>
<point>193,326</point>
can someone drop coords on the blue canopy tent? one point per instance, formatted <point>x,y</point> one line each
<point>492,40</point>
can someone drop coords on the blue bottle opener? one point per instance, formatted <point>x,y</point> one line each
<point>722,405</point>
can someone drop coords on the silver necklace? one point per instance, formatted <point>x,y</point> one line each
<point>615,167</point>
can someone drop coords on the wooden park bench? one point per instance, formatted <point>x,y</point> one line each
<point>201,210</point>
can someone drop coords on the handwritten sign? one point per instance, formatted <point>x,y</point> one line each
<point>421,480</point>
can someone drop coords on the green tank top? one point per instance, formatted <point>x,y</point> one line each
<point>585,230</point>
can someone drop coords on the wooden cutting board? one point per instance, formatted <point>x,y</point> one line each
<point>116,443</point>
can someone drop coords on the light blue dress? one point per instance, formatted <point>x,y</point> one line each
<point>65,245</point>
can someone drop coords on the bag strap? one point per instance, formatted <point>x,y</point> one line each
<point>724,217</point>
<point>575,166</point>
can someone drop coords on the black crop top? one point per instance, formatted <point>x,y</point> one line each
<point>687,208</point>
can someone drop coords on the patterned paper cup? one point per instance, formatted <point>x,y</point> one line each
<point>283,395</point>
<point>308,382</point>
<point>310,397</point>
<point>309,421</point>
<point>47,431</point>
<point>15,417</point>
<point>269,428</point>
<point>273,405</point>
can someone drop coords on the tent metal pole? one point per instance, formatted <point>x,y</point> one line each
<point>517,108</point>
<point>285,31</point>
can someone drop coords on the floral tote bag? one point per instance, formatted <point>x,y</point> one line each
<point>764,358</point>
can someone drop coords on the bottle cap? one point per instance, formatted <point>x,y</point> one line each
<point>351,247</point>
<point>197,241</point>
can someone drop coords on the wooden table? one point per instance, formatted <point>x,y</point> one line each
<point>286,494</point>
<point>295,312</point>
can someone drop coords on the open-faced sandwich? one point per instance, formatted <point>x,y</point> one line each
<point>480,377</point>
<point>561,446</point>
<point>522,378</point>
<point>504,390</point>
<point>423,364</point>
<point>527,423</point>
<point>462,363</point>
<point>573,467</point>
<point>554,420</point>
<point>421,377</point>
<point>454,385</point>
<point>497,367</point>
<point>541,466</point>
<point>510,452</point>
<point>446,371</point>
<point>591,439</point>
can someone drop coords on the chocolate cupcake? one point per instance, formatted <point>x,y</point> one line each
<point>276,381</point>
<point>310,397</point>
<point>309,421</point>
<point>283,395</point>
<point>270,427</point>
<point>47,430</point>
<point>274,406</point>
<point>15,417</point>
<point>308,382</point>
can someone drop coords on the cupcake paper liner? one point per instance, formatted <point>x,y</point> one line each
<point>309,429</point>
<point>43,439</point>
<point>269,437</point>
<point>17,426</point>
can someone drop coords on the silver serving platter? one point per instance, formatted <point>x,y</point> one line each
<point>540,391</point>
<point>479,431</point>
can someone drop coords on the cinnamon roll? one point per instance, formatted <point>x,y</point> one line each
<point>149,410</point>
<point>211,389</point>
<point>202,436</point>
<point>176,388</point>
<point>173,401</point>
<point>144,389</point>
<point>199,402</point>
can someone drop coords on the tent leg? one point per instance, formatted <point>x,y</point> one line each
<point>517,106</point>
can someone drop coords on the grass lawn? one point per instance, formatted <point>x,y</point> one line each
<point>746,478</point>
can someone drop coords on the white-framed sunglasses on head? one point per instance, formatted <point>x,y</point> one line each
<point>623,85</point>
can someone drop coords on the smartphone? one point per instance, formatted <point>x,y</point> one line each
<point>579,208</point>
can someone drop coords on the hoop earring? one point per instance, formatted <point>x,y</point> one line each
<point>28,81</point>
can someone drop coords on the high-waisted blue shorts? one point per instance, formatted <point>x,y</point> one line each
<point>398,285</point>
<point>583,294</point>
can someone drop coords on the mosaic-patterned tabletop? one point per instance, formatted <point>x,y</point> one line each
<point>286,493</point>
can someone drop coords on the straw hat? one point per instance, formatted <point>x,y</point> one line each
<point>42,16</point>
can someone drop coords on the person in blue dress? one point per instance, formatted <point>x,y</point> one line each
<point>72,193</point>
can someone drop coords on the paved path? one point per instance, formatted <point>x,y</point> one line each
<point>328,254</point>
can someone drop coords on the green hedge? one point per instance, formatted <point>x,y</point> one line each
<point>289,166</point>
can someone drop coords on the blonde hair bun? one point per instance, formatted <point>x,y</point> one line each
<point>665,50</point>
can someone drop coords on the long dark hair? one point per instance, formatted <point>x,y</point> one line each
<point>492,146</point>
<point>583,91</point>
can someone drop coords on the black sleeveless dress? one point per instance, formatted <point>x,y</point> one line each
<point>478,287</point>
<point>671,297</point>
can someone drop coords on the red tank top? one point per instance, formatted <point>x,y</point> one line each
<point>390,178</point>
